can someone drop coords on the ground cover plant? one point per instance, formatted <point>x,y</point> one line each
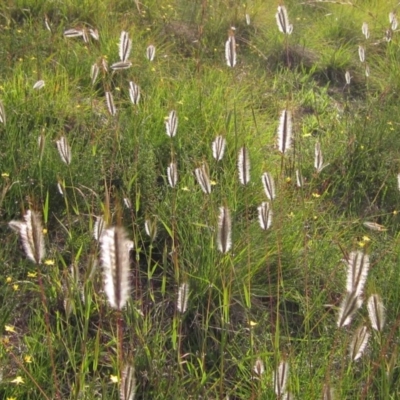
<point>199,199</point>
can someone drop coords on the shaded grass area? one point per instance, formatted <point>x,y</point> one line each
<point>275,295</point>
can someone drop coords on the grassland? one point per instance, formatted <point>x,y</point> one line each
<point>270,301</point>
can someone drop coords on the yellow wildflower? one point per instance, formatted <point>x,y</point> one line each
<point>9,328</point>
<point>28,359</point>
<point>17,380</point>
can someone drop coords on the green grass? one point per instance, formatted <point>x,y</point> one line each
<point>275,295</point>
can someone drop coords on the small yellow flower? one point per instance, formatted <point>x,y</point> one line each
<point>186,189</point>
<point>17,380</point>
<point>316,195</point>
<point>114,378</point>
<point>180,102</point>
<point>9,328</point>
<point>366,239</point>
<point>15,287</point>
<point>153,70</point>
<point>213,183</point>
<point>186,118</point>
<point>49,262</point>
<point>291,214</point>
<point>361,244</point>
<point>252,323</point>
<point>315,217</point>
<point>9,279</point>
<point>28,359</point>
<point>11,398</point>
<point>32,274</point>
<point>118,89</point>
<point>288,179</point>
<point>5,175</point>
<point>395,212</point>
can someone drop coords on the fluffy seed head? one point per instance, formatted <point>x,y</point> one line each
<point>376,312</point>
<point>203,178</point>
<point>125,46</point>
<point>280,378</point>
<point>128,383</point>
<point>350,304</point>
<point>285,131</point>
<point>244,166</point>
<point>172,174</point>
<point>358,343</point>
<point>218,147</point>
<point>171,125</point>
<point>64,150</point>
<point>183,296</point>
<point>150,52</point>
<point>357,271</point>
<point>115,249</point>
<point>230,51</point>
<point>224,230</point>
<point>134,93</point>
<point>282,20</point>
<point>31,234</point>
<point>265,215</point>
<point>269,185</point>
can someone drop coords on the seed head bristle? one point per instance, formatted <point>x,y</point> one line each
<point>134,93</point>
<point>358,343</point>
<point>115,260</point>
<point>350,304</point>
<point>110,104</point>
<point>98,228</point>
<point>203,178</point>
<point>285,131</point>
<point>376,312</point>
<point>94,72</point>
<point>224,230</point>
<point>265,215</point>
<point>31,234</point>
<point>64,150</point>
<point>150,52</point>
<point>280,378</point>
<point>128,383</point>
<point>183,296</point>
<point>125,46</point>
<point>282,20</point>
<point>244,166</point>
<point>121,65</point>
<point>230,51</point>
<point>357,271</point>
<point>269,185</point>
<point>171,124</point>
<point>259,368</point>
<point>2,114</point>
<point>172,174</point>
<point>218,147</point>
